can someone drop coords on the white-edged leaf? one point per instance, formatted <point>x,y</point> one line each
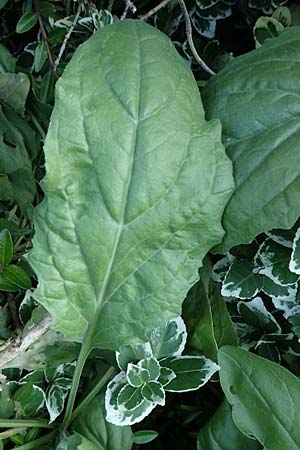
<point>151,365</point>
<point>275,260</point>
<point>56,396</point>
<point>191,372</point>
<point>119,414</point>
<point>166,376</point>
<point>282,237</point>
<point>135,375</point>
<point>294,264</point>
<point>255,314</point>
<point>154,392</point>
<point>241,281</point>
<point>169,339</point>
<point>132,354</point>
<point>220,268</point>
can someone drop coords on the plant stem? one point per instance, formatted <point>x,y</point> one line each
<point>106,377</point>
<point>155,9</point>
<point>83,355</point>
<point>31,423</point>
<point>44,35</point>
<point>12,432</point>
<point>129,5</point>
<point>37,442</point>
<point>38,126</point>
<point>189,35</point>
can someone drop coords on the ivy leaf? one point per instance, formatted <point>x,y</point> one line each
<point>250,384</point>
<point>131,269</point>
<point>132,353</point>
<point>6,247</point>
<point>191,372</point>
<point>241,281</point>
<point>260,119</point>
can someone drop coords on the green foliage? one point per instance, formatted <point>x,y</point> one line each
<point>259,132</point>
<point>135,189</point>
<point>139,215</point>
<point>249,383</point>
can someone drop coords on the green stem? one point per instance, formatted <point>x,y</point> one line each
<point>37,442</point>
<point>25,423</point>
<point>38,126</point>
<point>83,355</point>
<point>106,377</point>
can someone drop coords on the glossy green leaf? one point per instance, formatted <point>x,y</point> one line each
<point>127,252</point>
<point>144,436</point>
<point>14,89</point>
<point>220,433</point>
<point>6,286</point>
<point>222,325</point>
<point>92,425</point>
<point>40,56</point>
<point>26,22</point>
<point>6,247</point>
<point>28,400</point>
<point>191,372</point>
<point>264,396</point>
<point>260,119</point>
<point>7,61</point>
<point>17,276</point>
<point>198,316</point>
<point>154,392</point>
<point>15,163</point>
<point>241,281</point>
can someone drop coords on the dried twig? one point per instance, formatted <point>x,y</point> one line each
<point>68,35</point>
<point>44,35</point>
<point>129,6</point>
<point>189,34</point>
<point>155,9</point>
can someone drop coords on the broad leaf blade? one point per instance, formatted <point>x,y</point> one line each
<point>92,425</point>
<point>260,118</point>
<point>130,210</point>
<point>6,247</point>
<point>265,398</point>
<point>220,433</point>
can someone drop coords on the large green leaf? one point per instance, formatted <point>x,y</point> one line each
<point>260,118</point>
<point>136,184</point>
<point>91,424</point>
<point>265,398</point>
<point>220,433</point>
